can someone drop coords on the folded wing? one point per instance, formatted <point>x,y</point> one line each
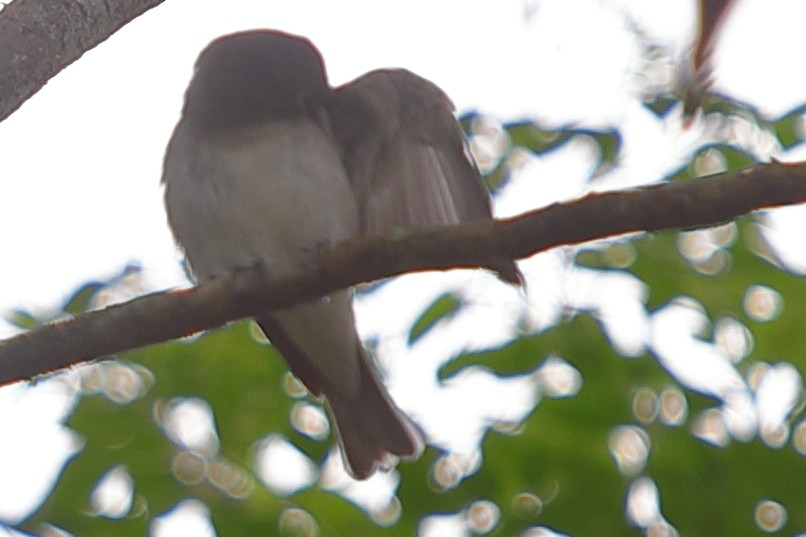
<point>406,155</point>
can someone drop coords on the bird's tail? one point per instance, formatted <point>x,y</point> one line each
<point>372,431</point>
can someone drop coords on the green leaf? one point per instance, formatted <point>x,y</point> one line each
<point>735,158</point>
<point>660,105</point>
<point>441,308</point>
<point>79,301</point>
<point>733,479</point>
<point>22,319</point>
<point>721,104</point>
<point>714,158</point>
<point>530,136</point>
<point>609,143</point>
<point>789,127</point>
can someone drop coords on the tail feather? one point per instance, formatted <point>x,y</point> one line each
<point>372,432</point>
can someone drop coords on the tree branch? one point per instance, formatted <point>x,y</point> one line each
<point>169,315</point>
<point>39,38</point>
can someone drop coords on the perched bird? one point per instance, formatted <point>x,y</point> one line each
<point>268,164</point>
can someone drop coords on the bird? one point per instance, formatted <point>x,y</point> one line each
<point>269,164</point>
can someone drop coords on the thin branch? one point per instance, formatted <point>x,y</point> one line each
<point>169,315</point>
<point>39,38</point>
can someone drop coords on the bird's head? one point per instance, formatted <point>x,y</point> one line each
<point>249,77</point>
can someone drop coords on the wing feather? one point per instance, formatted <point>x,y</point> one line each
<point>406,156</point>
<point>404,152</point>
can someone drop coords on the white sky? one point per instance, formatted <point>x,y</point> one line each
<point>81,161</point>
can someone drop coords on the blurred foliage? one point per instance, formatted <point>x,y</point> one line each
<point>536,139</point>
<point>559,455</point>
<point>443,306</point>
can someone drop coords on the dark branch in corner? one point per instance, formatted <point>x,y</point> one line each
<point>164,316</point>
<point>39,38</point>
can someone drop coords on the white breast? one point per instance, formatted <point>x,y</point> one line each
<point>266,195</point>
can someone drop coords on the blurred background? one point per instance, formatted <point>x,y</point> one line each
<point>648,384</point>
